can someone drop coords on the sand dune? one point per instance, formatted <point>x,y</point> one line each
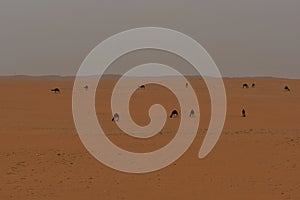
<point>42,157</point>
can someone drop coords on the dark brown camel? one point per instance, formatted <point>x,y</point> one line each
<point>142,87</point>
<point>56,90</point>
<point>115,117</point>
<point>192,113</point>
<point>243,113</point>
<point>245,85</point>
<point>174,114</point>
<point>286,88</point>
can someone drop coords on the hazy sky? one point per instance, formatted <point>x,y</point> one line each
<point>244,37</point>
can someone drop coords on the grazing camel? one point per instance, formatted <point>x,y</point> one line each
<point>245,85</point>
<point>115,117</point>
<point>174,114</point>
<point>286,88</point>
<point>253,85</point>
<point>243,113</point>
<point>56,90</point>
<point>192,113</point>
<point>142,87</point>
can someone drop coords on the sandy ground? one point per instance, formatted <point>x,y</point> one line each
<point>257,157</point>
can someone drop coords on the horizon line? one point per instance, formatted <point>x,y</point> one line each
<point>117,75</point>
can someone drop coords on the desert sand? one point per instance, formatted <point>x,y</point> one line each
<point>257,157</point>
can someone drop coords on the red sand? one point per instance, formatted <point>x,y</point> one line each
<point>257,157</point>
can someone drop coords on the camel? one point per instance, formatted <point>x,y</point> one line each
<point>186,85</point>
<point>192,113</point>
<point>115,117</point>
<point>253,85</point>
<point>174,114</point>
<point>286,88</point>
<point>142,87</point>
<point>86,87</point>
<point>245,85</point>
<point>243,113</point>
<point>56,90</point>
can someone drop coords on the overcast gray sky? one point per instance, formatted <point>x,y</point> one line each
<point>244,37</point>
